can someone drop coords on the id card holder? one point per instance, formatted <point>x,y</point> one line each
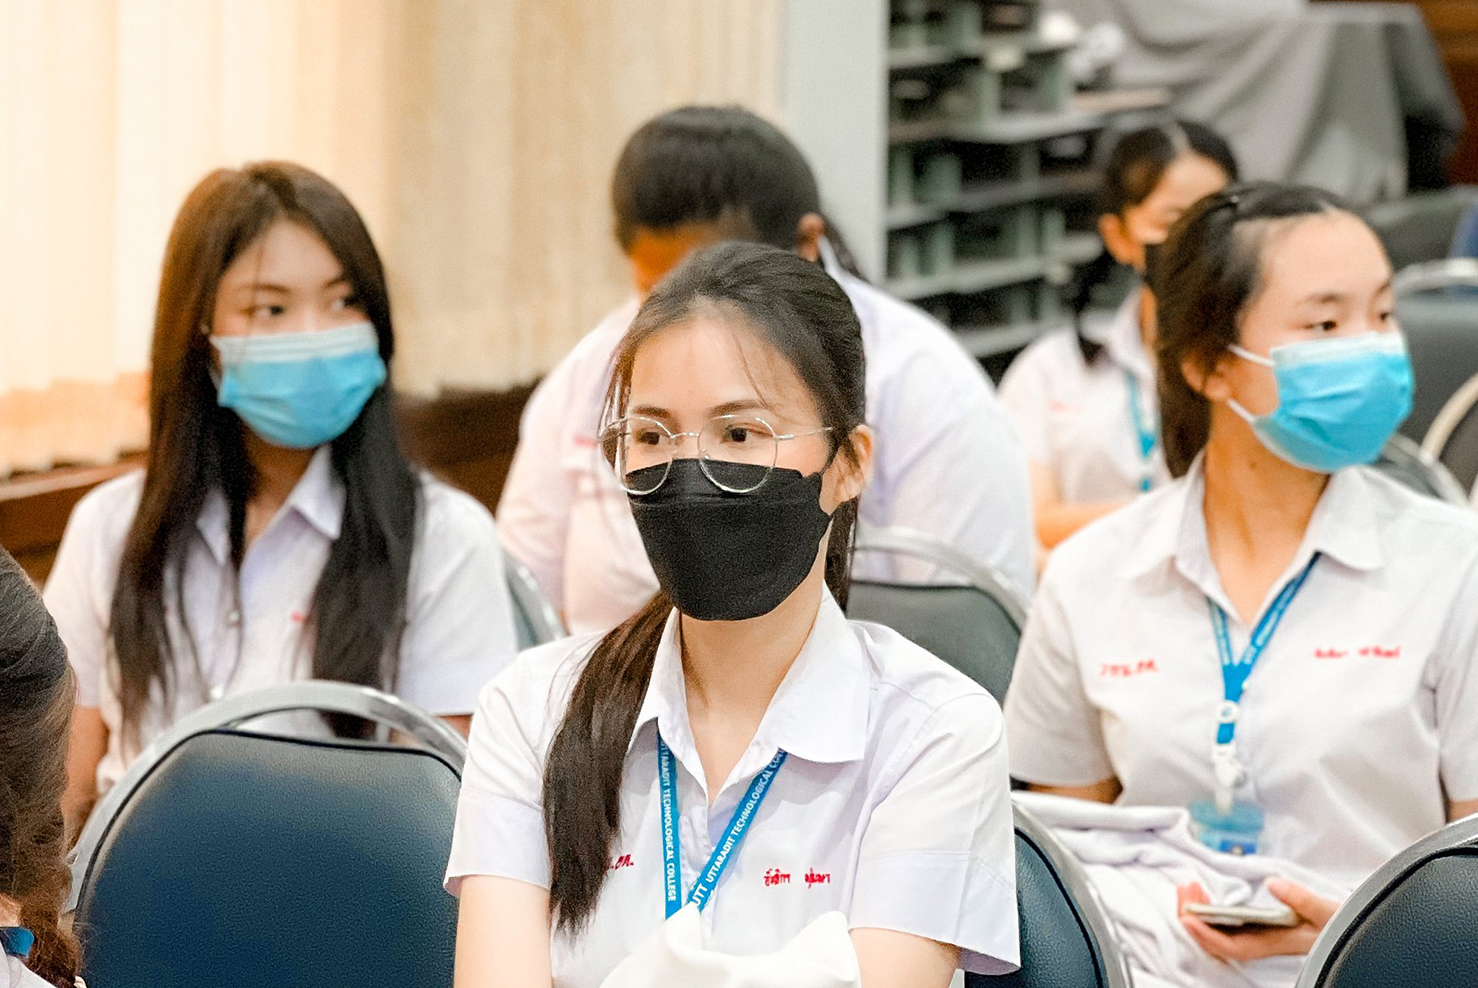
<point>1235,831</point>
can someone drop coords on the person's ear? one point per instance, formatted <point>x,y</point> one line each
<point>851,474</point>
<point>1124,248</point>
<point>808,234</point>
<point>1212,383</point>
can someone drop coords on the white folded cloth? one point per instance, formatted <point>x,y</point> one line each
<point>1136,856</point>
<point>820,956</point>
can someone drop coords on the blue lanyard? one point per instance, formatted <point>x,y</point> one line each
<point>726,847</point>
<point>1234,671</point>
<point>16,941</point>
<point>1146,430</point>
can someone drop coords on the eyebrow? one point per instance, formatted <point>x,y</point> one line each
<point>727,408</point>
<point>265,286</point>
<point>1334,298</point>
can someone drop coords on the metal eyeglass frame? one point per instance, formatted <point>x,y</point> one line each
<point>703,459</point>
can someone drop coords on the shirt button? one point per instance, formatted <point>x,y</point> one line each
<point>216,692</point>
<point>234,618</point>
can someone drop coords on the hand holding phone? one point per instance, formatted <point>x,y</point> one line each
<point>1239,916</point>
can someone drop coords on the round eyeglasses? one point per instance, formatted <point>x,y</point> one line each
<point>633,444</point>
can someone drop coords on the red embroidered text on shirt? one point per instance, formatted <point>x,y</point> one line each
<point>1366,652</point>
<point>624,861</point>
<point>1111,670</point>
<point>818,878</point>
<point>777,877</point>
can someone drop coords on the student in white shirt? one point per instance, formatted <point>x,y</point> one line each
<point>1083,399</point>
<point>890,804</point>
<point>36,690</point>
<point>1357,733</point>
<point>277,531</point>
<point>948,462</point>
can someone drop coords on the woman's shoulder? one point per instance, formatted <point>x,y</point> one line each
<point>102,518</point>
<point>913,685</point>
<point>453,516</point>
<point>535,687</point>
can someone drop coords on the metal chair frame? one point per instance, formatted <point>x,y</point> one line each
<point>1402,451</point>
<point>1345,923</point>
<point>909,542</point>
<point>1434,444</point>
<point>527,596</point>
<point>317,695</point>
<point>1081,890</point>
<point>1430,276</point>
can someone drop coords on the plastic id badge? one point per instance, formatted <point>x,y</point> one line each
<point>1235,831</point>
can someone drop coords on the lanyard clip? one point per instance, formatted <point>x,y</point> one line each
<point>1227,769</point>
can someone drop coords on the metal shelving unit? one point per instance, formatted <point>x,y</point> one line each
<point>955,152</point>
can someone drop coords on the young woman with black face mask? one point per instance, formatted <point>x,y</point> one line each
<point>1083,399</point>
<point>277,531</point>
<point>737,755</point>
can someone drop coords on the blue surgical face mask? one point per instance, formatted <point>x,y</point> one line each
<point>300,390</point>
<point>1339,400</point>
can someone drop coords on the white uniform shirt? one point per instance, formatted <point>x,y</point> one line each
<point>1075,417</point>
<point>15,974</point>
<point>459,629</point>
<point>1360,714</point>
<point>948,463</point>
<point>892,806</point>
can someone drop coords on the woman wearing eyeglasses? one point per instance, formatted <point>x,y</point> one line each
<point>737,755</point>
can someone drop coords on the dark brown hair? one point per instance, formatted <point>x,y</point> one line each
<point>1135,166</point>
<point>37,691</point>
<point>1208,272</point>
<point>195,445</point>
<point>796,308</point>
<point>722,165</point>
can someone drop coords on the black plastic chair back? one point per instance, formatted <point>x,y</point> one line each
<point>253,861</point>
<point>963,625</point>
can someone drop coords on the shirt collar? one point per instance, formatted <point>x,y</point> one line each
<point>1122,338</point>
<point>1344,527</point>
<point>819,713</point>
<point>318,497</point>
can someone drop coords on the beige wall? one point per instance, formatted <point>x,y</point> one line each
<point>476,136</point>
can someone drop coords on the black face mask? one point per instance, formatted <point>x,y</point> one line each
<point>730,557</point>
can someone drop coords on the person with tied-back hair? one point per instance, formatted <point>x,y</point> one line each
<point>1282,641</point>
<point>36,693</point>
<point>277,531</point>
<point>737,756</point>
<point>949,463</point>
<point>1083,398</point>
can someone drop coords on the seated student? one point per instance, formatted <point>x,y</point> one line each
<point>736,413</point>
<point>36,690</point>
<point>948,462</point>
<point>1281,640</point>
<point>1084,402</point>
<point>277,532</point>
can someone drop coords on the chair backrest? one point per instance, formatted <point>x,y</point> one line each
<point>1420,227</point>
<point>1411,923</point>
<point>1453,437</point>
<point>535,619</point>
<point>974,625</point>
<point>1067,940</point>
<point>225,857</point>
<point>1439,314</point>
<point>1404,461</point>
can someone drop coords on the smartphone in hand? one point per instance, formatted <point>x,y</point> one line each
<point>1240,916</point>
